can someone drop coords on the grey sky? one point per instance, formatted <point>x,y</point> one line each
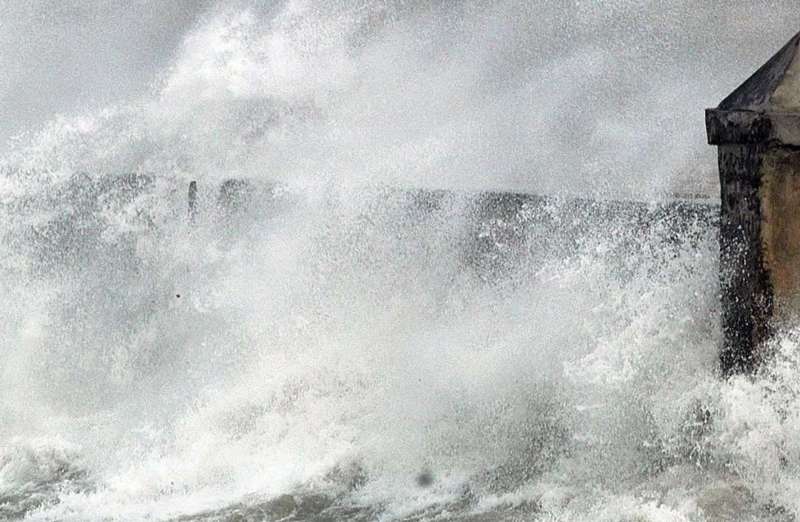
<point>568,90</point>
<point>61,56</point>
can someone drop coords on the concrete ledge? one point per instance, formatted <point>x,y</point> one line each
<point>740,127</point>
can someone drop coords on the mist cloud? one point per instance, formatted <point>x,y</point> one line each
<point>549,97</point>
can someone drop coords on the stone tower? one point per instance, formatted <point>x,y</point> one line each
<point>757,132</point>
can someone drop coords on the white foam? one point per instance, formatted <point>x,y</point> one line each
<point>346,347</point>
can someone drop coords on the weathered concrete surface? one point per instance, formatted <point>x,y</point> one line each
<point>780,235</point>
<point>757,131</point>
<point>746,293</point>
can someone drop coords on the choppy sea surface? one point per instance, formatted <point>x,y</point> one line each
<point>319,338</point>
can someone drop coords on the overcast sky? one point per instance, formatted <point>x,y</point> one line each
<point>61,56</point>
<point>622,84</point>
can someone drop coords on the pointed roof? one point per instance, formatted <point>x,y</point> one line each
<point>775,87</point>
<point>766,107</point>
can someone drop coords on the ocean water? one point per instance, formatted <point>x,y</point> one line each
<point>322,339</point>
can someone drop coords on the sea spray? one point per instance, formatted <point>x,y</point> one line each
<point>338,346</point>
<point>355,333</point>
